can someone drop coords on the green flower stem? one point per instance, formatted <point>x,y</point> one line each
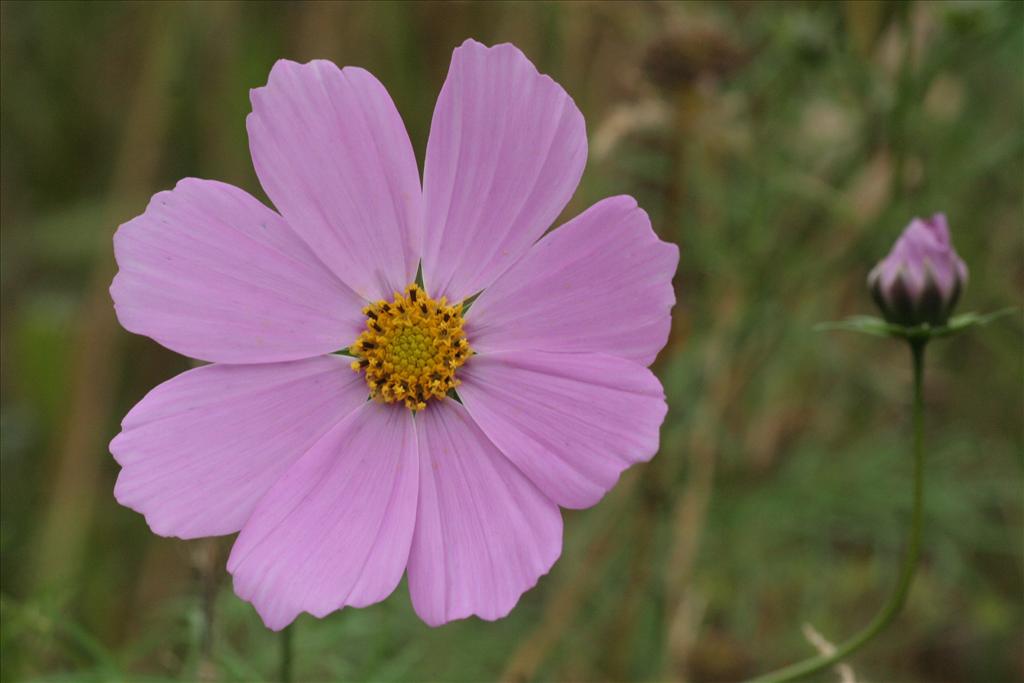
<point>899,595</point>
<point>286,654</point>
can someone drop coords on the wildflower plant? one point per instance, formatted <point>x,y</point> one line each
<point>358,420</point>
<point>916,287</point>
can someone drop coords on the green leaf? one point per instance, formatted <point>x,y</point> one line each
<point>865,324</point>
<point>877,327</point>
<point>960,323</point>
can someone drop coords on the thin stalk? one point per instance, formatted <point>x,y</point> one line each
<point>899,595</point>
<point>286,655</point>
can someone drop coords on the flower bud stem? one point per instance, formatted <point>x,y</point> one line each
<point>899,595</point>
<point>285,672</point>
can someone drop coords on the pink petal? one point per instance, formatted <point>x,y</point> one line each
<point>333,155</point>
<point>211,273</point>
<point>571,422</point>
<point>199,451</point>
<point>484,533</point>
<point>602,283</point>
<point>335,530</point>
<point>507,148</point>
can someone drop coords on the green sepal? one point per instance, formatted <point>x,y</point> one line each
<point>877,327</point>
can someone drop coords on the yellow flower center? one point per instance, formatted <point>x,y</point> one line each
<point>411,348</point>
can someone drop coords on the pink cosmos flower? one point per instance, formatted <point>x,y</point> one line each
<point>336,495</point>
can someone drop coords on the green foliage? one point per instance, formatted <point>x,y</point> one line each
<point>782,146</point>
<point>877,327</point>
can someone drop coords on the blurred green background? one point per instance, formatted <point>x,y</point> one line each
<point>782,146</point>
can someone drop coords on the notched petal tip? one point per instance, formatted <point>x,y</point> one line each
<point>210,272</point>
<point>507,149</point>
<point>472,45</point>
<point>335,530</point>
<point>315,128</point>
<point>484,534</point>
<point>199,451</point>
<point>600,283</point>
<point>572,422</point>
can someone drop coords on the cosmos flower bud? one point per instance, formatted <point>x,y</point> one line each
<point>922,277</point>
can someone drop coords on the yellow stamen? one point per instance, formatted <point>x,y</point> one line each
<point>411,348</point>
